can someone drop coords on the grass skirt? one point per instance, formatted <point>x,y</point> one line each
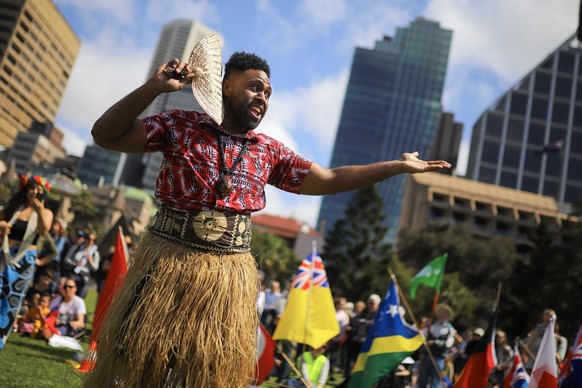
<point>181,318</point>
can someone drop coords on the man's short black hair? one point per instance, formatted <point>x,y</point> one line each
<point>241,61</point>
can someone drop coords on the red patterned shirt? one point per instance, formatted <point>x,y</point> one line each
<point>191,165</point>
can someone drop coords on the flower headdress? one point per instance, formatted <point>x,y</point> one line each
<point>27,180</point>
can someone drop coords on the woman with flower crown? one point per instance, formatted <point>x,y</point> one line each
<point>22,220</point>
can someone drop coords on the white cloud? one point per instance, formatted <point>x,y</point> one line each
<point>463,158</point>
<point>506,37</point>
<point>73,143</point>
<point>106,70</point>
<point>301,207</point>
<point>201,10</point>
<point>323,13</point>
<point>121,10</point>
<point>309,115</point>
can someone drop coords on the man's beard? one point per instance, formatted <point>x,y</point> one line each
<point>242,115</point>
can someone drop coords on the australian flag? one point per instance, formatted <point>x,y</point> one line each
<point>571,373</point>
<point>517,377</point>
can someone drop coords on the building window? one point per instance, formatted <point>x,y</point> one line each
<point>550,188</point>
<point>519,104</point>
<point>508,179</point>
<point>566,62</point>
<point>563,87</point>
<point>487,174</point>
<point>560,112</point>
<point>511,156</point>
<point>490,151</point>
<point>553,165</point>
<point>543,83</point>
<point>573,193</point>
<point>515,129</point>
<point>539,109</point>
<point>494,125</point>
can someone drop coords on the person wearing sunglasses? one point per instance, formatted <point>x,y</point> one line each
<point>72,310</point>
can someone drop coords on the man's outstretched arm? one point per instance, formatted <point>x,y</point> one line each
<point>119,128</point>
<point>321,180</point>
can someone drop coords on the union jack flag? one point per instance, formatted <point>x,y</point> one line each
<point>305,278</point>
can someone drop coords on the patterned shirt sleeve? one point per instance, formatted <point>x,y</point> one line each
<point>289,169</point>
<point>158,129</point>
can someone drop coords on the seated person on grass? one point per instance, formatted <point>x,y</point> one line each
<point>33,323</point>
<point>72,310</point>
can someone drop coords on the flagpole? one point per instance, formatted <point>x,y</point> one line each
<point>498,298</point>
<point>434,305</point>
<point>407,306</point>
<point>312,267</point>
<point>295,368</point>
<point>526,348</point>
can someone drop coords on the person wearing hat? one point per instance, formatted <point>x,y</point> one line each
<point>22,220</point>
<point>196,252</point>
<point>440,336</point>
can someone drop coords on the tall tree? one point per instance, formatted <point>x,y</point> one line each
<point>356,251</point>
<point>274,256</point>
<point>474,267</point>
<point>552,279</point>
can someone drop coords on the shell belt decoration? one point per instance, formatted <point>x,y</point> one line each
<point>207,230</point>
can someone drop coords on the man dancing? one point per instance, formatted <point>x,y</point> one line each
<point>186,315</point>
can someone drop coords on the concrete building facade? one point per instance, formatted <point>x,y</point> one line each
<point>37,52</point>
<point>489,210</point>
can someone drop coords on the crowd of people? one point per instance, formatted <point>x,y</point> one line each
<point>46,267</point>
<point>449,348</point>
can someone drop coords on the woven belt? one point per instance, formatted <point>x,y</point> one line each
<point>212,231</point>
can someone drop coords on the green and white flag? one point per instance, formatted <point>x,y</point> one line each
<point>431,275</point>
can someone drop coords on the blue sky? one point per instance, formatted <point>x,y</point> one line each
<point>309,45</point>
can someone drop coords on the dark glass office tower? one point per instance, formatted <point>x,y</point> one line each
<point>530,139</point>
<point>392,105</point>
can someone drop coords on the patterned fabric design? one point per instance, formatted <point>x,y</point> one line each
<point>14,283</point>
<point>191,165</point>
<point>207,230</point>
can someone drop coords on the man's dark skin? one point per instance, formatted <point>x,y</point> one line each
<point>246,101</point>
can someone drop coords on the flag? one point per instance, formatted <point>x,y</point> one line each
<point>114,280</point>
<point>517,376</point>
<point>390,340</point>
<point>309,316</point>
<point>571,373</point>
<point>545,371</point>
<point>475,374</point>
<point>431,275</point>
<point>265,355</point>
<point>551,147</point>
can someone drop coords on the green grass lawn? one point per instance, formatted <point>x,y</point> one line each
<point>26,362</point>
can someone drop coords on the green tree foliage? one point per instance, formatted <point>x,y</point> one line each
<point>82,204</point>
<point>357,255</point>
<point>552,279</point>
<point>274,256</point>
<point>475,266</point>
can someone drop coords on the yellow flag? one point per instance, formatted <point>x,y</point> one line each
<point>309,316</point>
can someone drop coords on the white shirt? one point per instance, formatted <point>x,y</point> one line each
<point>74,307</point>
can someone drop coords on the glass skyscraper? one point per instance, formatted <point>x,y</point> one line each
<point>530,139</point>
<point>392,105</point>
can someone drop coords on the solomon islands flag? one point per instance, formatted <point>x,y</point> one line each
<point>389,341</point>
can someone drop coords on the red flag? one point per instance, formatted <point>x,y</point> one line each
<point>545,371</point>
<point>265,355</point>
<point>114,280</point>
<point>475,374</point>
